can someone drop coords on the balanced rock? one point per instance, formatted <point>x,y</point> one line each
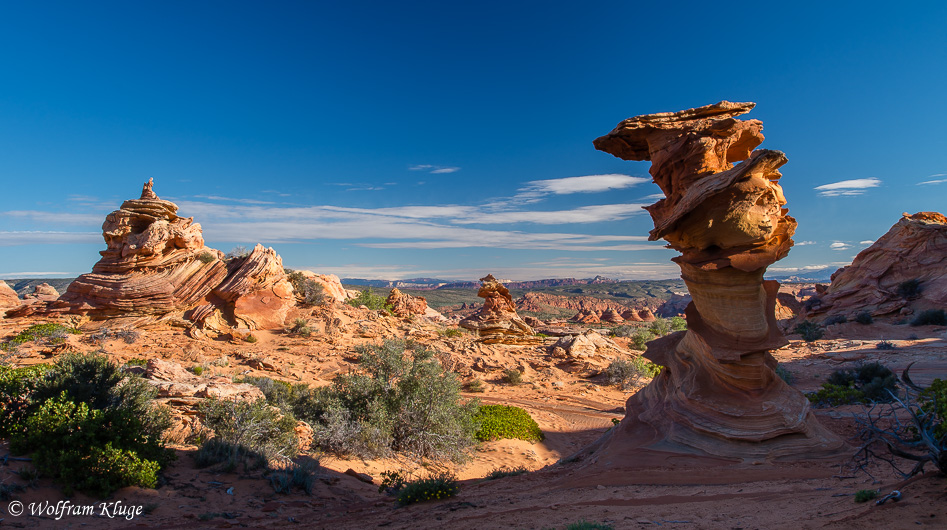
<point>914,251</point>
<point>719,394</point>
<point>404,305</point>
<point>497,321</point>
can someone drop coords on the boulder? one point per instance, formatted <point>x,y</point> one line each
<point>585,345</point>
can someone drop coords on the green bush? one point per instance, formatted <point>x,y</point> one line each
<point>400,400</point>
<point>810,331</point>
<point>930,317</point>
<point>370,300</point>
<point>513,376</point>
<point>785,374</point>
<point>886,345</point>
<point>867,383</point>
<point>16,388</point>
<point>436,487</point>
<point>301,327</point>
<point>864,317</point>
<point>310,291</point>
<point>865,495</point>
<point>836,319</point>
<point>660,327</point>
<point>640,339</point>
<point>933,400</point>
<point>624,330</point>
<point>53,333</point>
<point>299,476</point>
<point>629,372</point>
<point>206,257</point>
<point>450,332</point>
<point>197,369</point>
<point>506,472</point>
<point>475,385</point>
<point>506,421</point>
<point>909,289</point>
<point>586,525</point>
<point>251,433</point>
<point>678,323</point>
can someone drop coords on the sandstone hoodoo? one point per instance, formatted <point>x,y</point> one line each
<point>404,305</point>
<point>156,265</point>
<point>719,394</point>
<point>903,272</point>
<point>497,321</point>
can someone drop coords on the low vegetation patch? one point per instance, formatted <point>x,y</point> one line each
<point>628,373</point>
<point>86,423</point>
<point>513,376</point>
<point>50,332</point>
<point>661,327</point>
<point>865,495</point>
<point>506,421</point>
<point>909,289</point>
<point>930,317</point>
<point>248,433</point>
<point>836,319</point>
<point>867,383</point>
<point>309,291</point>
<point>785,374</point>
<point>864,318</point>
<point>433,488</point>
<point>370,300</point>
<point>301,327</point>
<point>506,472</point>
<point>810,331</point>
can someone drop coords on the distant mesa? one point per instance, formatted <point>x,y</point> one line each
<point>902,273</point>
<point>719,395</point>
<point>497,321</point>
<point>156,266</point>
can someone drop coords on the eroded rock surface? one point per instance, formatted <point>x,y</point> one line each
<point>914,249</point>
<point>404,305</point>
<point>719,394</point>
<point>8,297</point>
<point>497,320</point>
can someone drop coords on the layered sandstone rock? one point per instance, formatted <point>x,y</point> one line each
<point>497,321</point>
<point>156,265</point>
<point>584,345</point>
<point>331,285</point>
<point>405,305</point>
<point>8,297</point>
<point>914,249</point>
<point>586,316</point>
<point>719,394</point>
<point>611,316</point>
<point>42,292</point>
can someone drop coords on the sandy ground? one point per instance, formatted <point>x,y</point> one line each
<point>573,406</point>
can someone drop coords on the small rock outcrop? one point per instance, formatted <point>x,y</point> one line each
<point>8,297</point>
<point>497,321</point>
<point>719,395</point>
<point>404,305</point>
<point>880,278</point>
<point>585,345</point>
<point>42,292</point>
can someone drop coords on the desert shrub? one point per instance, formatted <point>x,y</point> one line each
<point>885,345</point>
<point>251,339</point>
<point>629,372</point>
<point>785,374</point>
<point>251,433</point>
<point>836,319</point>
<point>660,327</point>
<point>909,289</point>
<point>678,323</point>
<point>206,257</point>
<point>435,487</point>
<point>867,383</point>
<point>16,388</point>
<point>505,421</point>
<point>301,327</point>
<point>865,495</point>
<point>299,476</point>
<point>370,300</point>
<point>392,482</point>
<point>930,317</point>
<point>864,317</point>
<point>586,525</point>
<point>401,400</point>
<point>640,339</point>
<point>310,291</point>
<point>624,330</point>
<point>506,472</point>
<point>237,252</point>
<point>197,369</point>
<point>933,402</point>
<point>810,331</point>
<point>512,376</point>
<point>450,332</point>
<point>475,385</point>
<point>52,332</point>
<point>137,361</point>
<point>811,302</point>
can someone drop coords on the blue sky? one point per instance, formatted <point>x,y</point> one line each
<point>397,140</point>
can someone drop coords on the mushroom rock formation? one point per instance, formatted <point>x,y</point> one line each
<point>8,297</point>
<point>915,248</point>
<point>719,394</point>
<point>257,292</point>
<point>405,305</point>
<point>611,316</point>
<point>497,321</point>
<point>156,265</point>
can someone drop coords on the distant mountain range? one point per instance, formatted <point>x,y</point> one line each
<point>434,283</point>
<point>813,276</point>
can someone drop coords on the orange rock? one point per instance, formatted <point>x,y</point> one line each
<point>405,305</point>
<point>258,291</point>
<point>8,297</point>
<point>915,248</point>
<point>611,316</point>
<point>719,394</point>
<point>497,320</point>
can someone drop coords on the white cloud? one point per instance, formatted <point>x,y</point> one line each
<point>838,245</point>
<point>584,214</point>
<point>19,275</point>
<point>847,187</point>
<point>584,184</point>
<point>804,243</point>
<point>866,242</point>
<point>12,238</point>
<point>231,199</point>
<point>57,217</point>
<point>935,181</point>
<point>437,170</point>
<point>445,170</point>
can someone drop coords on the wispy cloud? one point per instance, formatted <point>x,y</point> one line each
<point>583,184</point>
<point>437,170</point>
<point>12,238</point>
<point>41,274</point>
<point>804,243</point>
<point>56,217</point>
<point>866,242</point>
<point>584,214</point>
<point>847,187</point>
<point>838,245</point>
<point>232,199</point>
<point>935,181</point>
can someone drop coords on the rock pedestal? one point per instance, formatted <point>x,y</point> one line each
<point>497,321</point>
<point>718,394</point>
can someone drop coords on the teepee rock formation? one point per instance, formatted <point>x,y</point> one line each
<point>913,250</point>
<point>156,265</point>
<point>497,321</point>
<point>719,394</point>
